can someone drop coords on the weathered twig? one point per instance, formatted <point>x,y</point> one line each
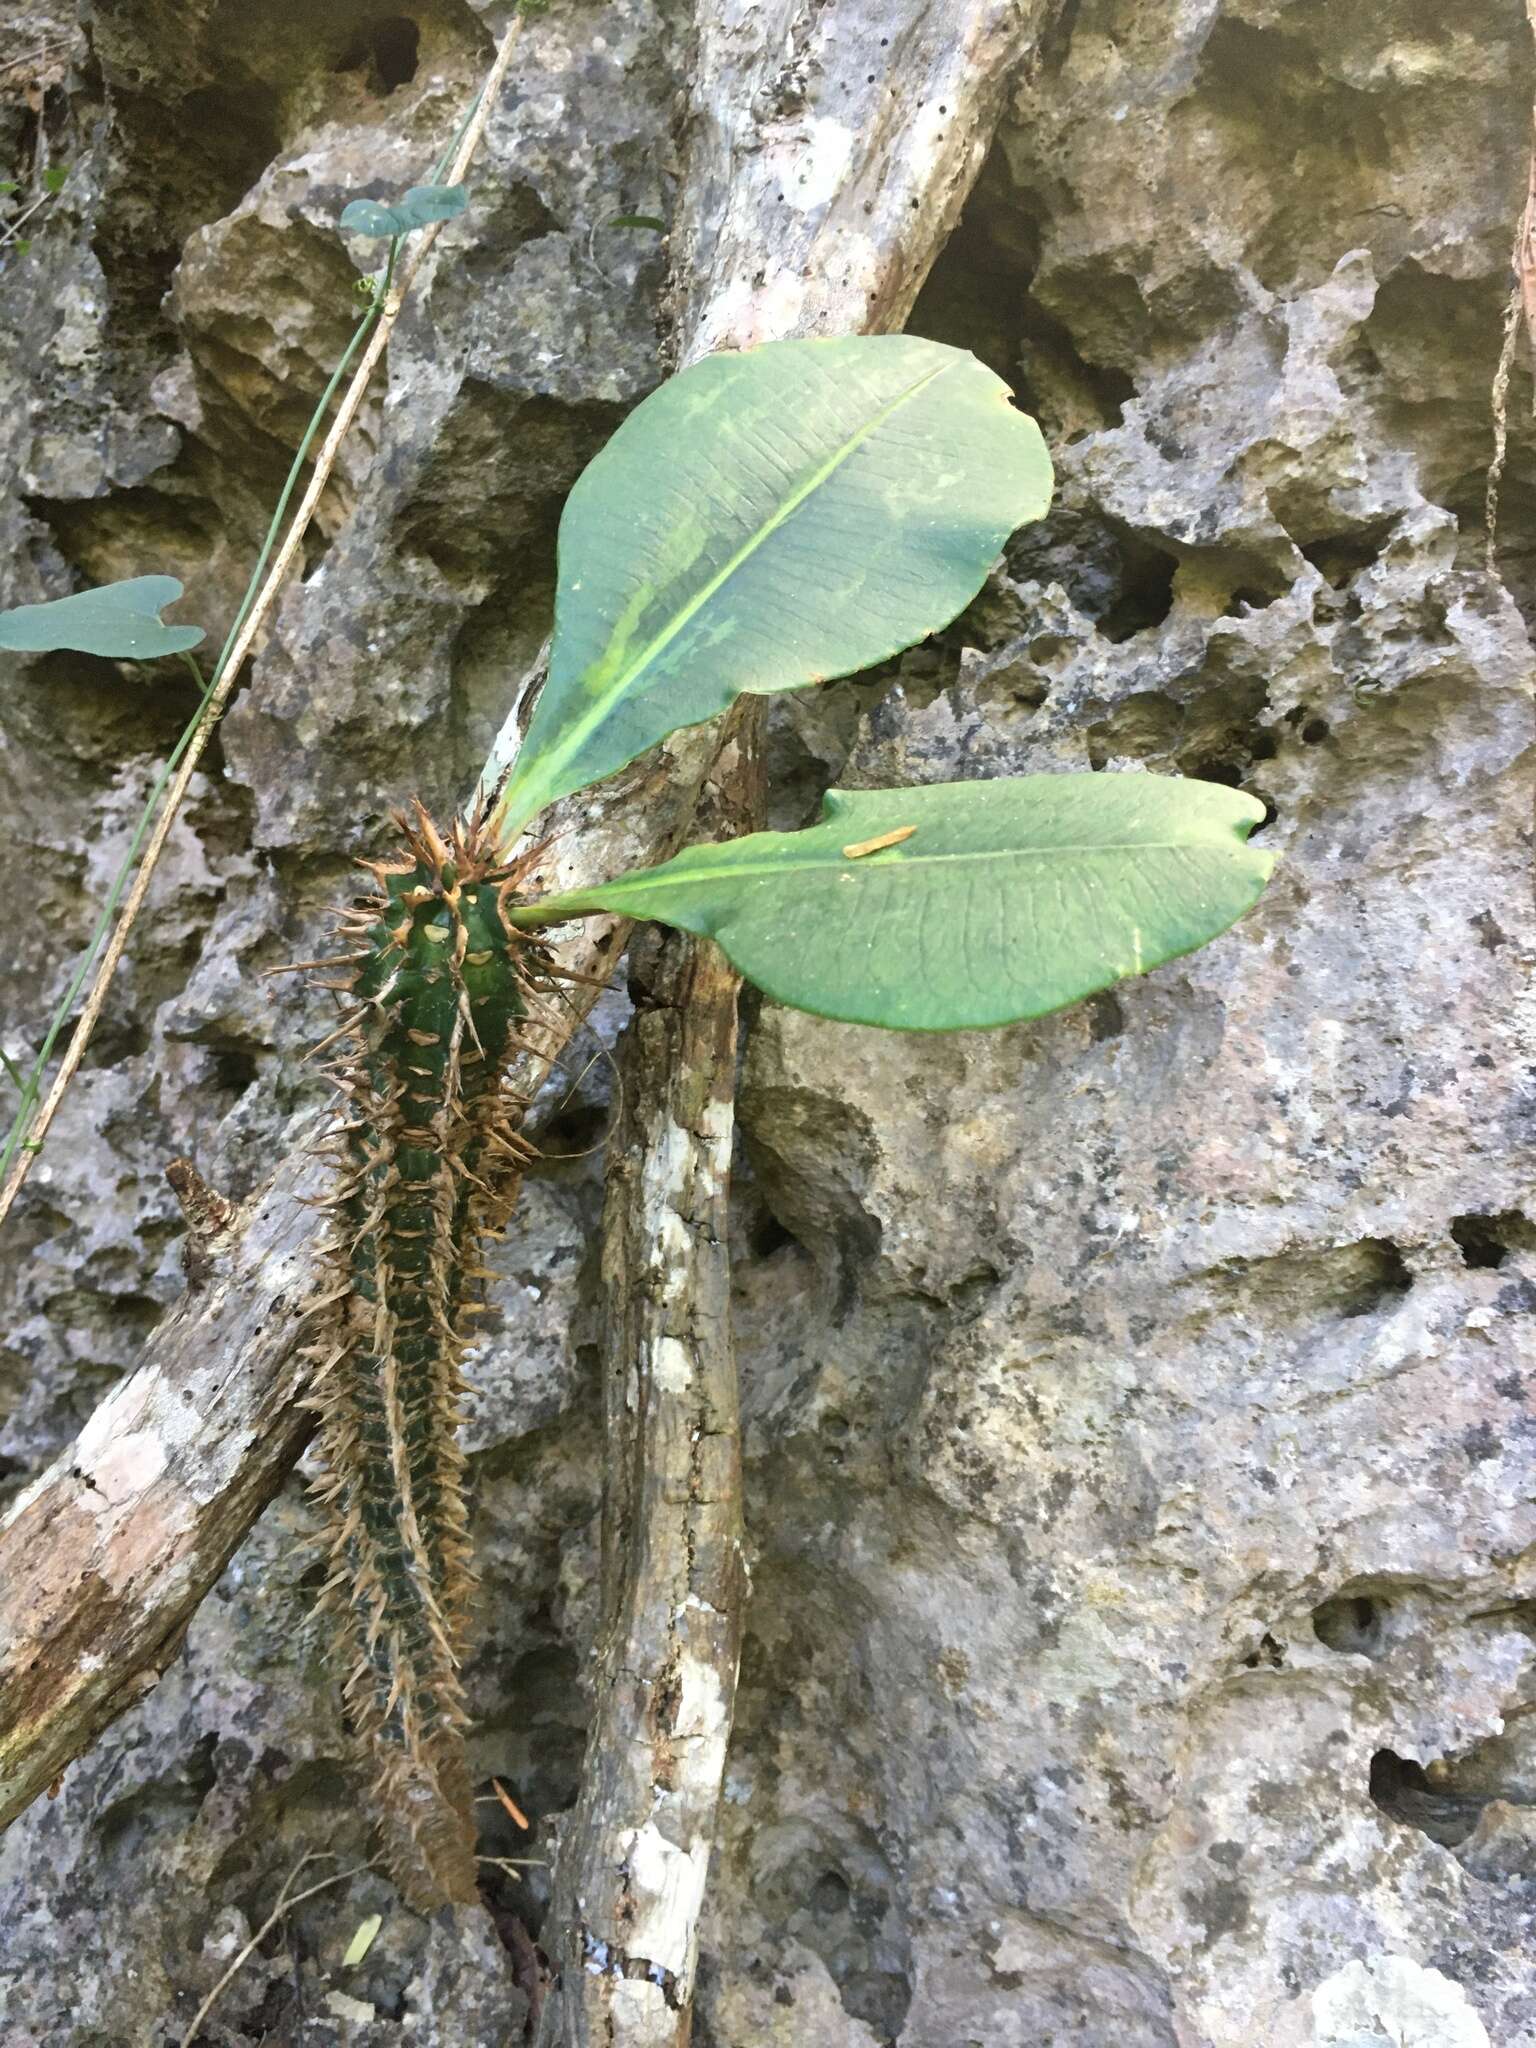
<point>229,668</point>
<point>104,1559</point>
<point>634,1857</point>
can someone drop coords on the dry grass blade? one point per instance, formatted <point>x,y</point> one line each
<point>266,598</point>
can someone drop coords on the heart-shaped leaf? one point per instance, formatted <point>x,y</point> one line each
<point>764,521</point>
<point>962,904</point>
<point>120,620</point>
<point>417,208</point>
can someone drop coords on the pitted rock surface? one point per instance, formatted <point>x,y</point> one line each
<point>1142,1646</point>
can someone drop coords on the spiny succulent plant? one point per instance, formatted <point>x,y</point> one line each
<point>442,991</point>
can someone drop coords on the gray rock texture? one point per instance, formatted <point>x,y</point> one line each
<point>1139,1404</point>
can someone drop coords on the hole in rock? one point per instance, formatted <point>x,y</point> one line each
<point>1106,1017</point>
<point>1351,1623</point>
<point>1485,1240</point>
<point>572,1132</point>
<point>1340,557</point>
<point>1146,593</point>
<point>1314,730</point>
<point>1410,1795</point>
<point>1145,725</point>
<point>1383,1275</point>
<point>1269,1656</point>
<point>388,50</point>
<point>768,1237</point>
<point>234,1069</point>
<point>978,296</point>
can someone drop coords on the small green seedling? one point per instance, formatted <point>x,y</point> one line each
<point>764,521</point>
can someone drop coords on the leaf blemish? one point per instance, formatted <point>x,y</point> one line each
<point>861,847</point>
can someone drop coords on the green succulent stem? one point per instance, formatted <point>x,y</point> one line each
<point>430,1163</point>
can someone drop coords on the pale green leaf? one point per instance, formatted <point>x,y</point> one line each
<point>763,521</point>
<point>118,619</point>
<point>1004,900</point>
<point>416,208</point>
<point>362,1941</point>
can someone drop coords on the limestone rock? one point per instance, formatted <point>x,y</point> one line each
<point>1139,1403</point>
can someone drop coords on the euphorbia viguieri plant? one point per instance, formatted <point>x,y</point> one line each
<point>764,522</point>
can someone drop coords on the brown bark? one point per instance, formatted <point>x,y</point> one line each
<point>635,1855</point>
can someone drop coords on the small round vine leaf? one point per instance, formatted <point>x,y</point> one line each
<point>423,204</point>
<point>417,208</point>
<point>768,519</point>
<point>963,904</point>
<point>368,217</point>
<point>120,620</point>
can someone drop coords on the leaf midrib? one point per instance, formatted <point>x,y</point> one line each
<point>577,899</point>
<point>576,734</point>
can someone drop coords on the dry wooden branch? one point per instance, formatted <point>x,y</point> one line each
<point>635,1856</point>
<point>104,1559</point>
<point>287,1899</point>
<point>776,85</point>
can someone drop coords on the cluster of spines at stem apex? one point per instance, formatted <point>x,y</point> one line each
<point>429,1158</point>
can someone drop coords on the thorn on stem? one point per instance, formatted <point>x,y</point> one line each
<point>208,1213</point>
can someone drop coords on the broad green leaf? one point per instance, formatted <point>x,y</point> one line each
<point>764,521</point>
<point>119,619</point>
<point>414,209</point>
<point>1004,900</point>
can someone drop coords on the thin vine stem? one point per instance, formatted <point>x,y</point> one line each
<point>26,1138</point>
<point>17,1137</point>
